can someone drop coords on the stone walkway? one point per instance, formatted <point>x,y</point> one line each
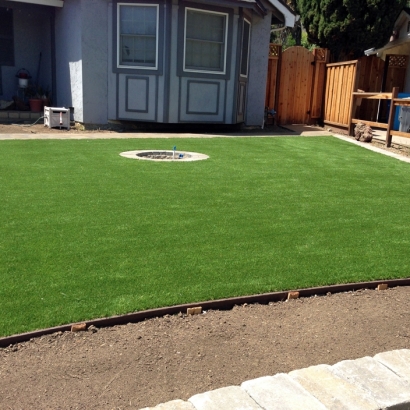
<point>381,382</point>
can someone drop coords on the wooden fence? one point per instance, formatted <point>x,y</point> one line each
<point>275,53</point>
<point>302,87</point>
<point>368,74</point>
<point>340,83</point>
<point>295,83</point>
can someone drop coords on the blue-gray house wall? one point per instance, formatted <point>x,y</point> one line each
<point>173,96</point>
<point>78,43</point>
<point>32,30</point>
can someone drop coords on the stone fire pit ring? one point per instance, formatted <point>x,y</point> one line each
<point>164,155</point>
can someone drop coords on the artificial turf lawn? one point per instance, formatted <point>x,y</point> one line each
<point>85,233</point>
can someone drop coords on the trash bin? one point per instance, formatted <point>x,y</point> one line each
<point>396,124</point>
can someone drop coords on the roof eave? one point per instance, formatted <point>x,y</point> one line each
<point>52,3</point>
<point>389,45</point>
<point>290,17</point>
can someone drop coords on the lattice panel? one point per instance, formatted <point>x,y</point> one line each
<point>274,50</point>
<point>320,54</point>
<point>398,61</point>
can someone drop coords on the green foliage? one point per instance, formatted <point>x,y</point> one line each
<point>287,39</point>
<point>292,36</point>
<point>348,27</point>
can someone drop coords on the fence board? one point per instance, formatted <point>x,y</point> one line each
<point>275,52</point>
<point>295,89</point>
<point>329,93</point>
<point>341,80</point>
<point>321,57</point>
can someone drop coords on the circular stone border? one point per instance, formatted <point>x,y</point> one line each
<point>187,156</point>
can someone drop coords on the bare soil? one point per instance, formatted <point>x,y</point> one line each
<point>77,128</point>
<point>396,148</point>
<point>161,359</point>
<point>39,128</point>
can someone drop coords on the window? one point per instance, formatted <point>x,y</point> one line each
<point>205,41</point>
<point>137,36</point>
<point>246,34</point>
<point>6,37</point>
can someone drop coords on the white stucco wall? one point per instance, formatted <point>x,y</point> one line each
<point>81,54</point>
<point>69,77</point>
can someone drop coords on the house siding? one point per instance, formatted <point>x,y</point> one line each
<point>32,36</point>
<point>87,77</point>
<point>173,95</point>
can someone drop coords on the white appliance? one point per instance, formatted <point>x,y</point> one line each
<point>57,117</point>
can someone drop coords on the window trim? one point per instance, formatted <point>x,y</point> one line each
<point>118,34</point>
<point>226,33</point>
<point>249,48</point>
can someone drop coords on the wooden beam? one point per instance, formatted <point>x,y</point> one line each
<point>401,101</point>
<point>336,124</point>
<point>382,125</point>
<point>374,96</point>
<point>400,134</point>
<point>353,102</point>
<point>390,122</point>
<point>343,63</point>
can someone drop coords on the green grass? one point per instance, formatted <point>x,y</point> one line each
<point>85,233</point>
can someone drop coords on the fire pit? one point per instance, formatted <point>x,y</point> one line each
<point>166,156</point>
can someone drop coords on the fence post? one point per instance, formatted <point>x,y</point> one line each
<point>321,58</point>
<point>275,52</point>
<point>353,102</point>
<point>390,122</point>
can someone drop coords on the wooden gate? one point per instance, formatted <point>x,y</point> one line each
<point>295,91</point>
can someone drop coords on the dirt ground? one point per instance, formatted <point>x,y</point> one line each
<point>131,127</point>
<point>41,129</point>
<point>144,364</point>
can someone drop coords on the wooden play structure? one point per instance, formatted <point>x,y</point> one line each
<point>395,102</point>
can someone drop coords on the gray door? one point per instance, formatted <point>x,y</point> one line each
<point>245,36</point>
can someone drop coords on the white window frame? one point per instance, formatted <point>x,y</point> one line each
<point>193,70</point>
<point>249,48</point>
<point>136,67</point>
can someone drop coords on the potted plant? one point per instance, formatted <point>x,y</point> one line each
<point>38,97</point>
<point>23,76</point>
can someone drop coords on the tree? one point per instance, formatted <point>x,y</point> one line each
<point>348,27</point>
<point>288,36</point>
